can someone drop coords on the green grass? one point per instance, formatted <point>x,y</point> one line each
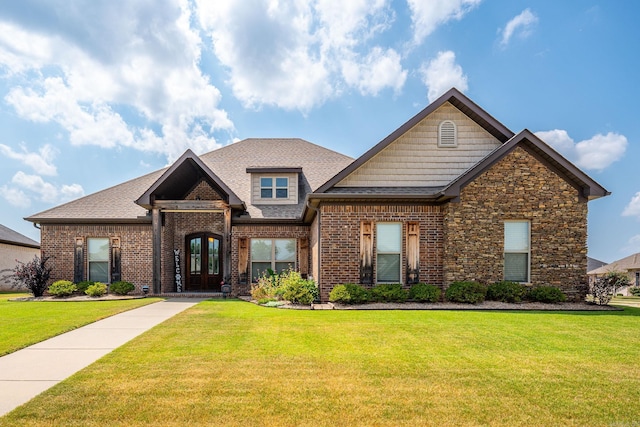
<point>26,323</point>
<point>233,363</point>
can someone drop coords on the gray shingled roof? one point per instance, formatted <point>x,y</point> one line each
<point>632,262</point>
<point>11,237</point>
<point>230,164</point>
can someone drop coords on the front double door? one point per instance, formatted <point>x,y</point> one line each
<point>204,262</point>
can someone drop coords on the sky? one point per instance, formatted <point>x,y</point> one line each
<point>97,92</point>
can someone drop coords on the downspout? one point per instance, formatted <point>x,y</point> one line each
<point>317,211</point>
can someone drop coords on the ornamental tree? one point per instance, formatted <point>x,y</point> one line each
<point>34,275</point>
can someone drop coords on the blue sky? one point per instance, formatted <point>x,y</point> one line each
<point>97,92</point>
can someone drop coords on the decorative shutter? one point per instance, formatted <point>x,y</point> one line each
<point>116,275</point>
<point>413,253</point>
<point>243,260</point>
<point>366,252</point>
<point>78,260</point>
<point>304,257</point>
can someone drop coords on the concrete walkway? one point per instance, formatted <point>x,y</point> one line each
<point>28,372</point>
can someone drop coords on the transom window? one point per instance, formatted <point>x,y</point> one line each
<point>276,255</point>
<point>98,259</point>
<point>447,134</point>
<point>270,187</point>
<point>388,252</point>
<point>517,248</point>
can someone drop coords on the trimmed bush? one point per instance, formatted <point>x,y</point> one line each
<point>62,288</point>
<point>635,291</point>
<point>296,289</point>
<point>388,293</point>
<point>121,288</point>
<point>506,291</point>
<point>349,293</point>
<point>466,292</point>
<point>546,294</point>
<point>422,292</point>
<point>82,286</point>
<point>98,289</point>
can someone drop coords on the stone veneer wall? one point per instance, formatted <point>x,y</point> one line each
<point>518,187</point>
<point>262,232</point>
<point>340,241</point>
<point>135,246</point>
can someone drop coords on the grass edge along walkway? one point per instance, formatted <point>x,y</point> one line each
<point>25,323</point>
<point>233,363</point>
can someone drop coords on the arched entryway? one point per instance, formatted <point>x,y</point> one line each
<point>204,262</point>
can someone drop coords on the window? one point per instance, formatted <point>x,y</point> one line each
<point>268,189</point>
<point>275,254</point>
<point>516,251</point>
<point>98,258</point>
<point>447,134</point>
<point>388,251</point>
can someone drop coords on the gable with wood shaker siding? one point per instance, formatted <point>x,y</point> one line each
<point>451,195</point>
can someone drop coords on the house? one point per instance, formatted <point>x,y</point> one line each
<point>14,248</point>
<point>629,265</point>
<point>451,195</point>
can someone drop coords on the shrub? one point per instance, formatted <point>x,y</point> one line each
<point>466,292</point>
<point>546,294</point>
<point>267,286</point>
<point>422,292</point>
<point>34,275</point>
<point>388,293</point>
<point>506,291</point>
<point>96,290</point>
<point>349,293</point>
<point>296,289</point>
<point>62,288</point>
<point>82,286</point>
<point>604,287</point>
<point>635,291</point>
<point>121,288</point>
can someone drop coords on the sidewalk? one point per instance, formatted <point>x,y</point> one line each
<point>28,372</point>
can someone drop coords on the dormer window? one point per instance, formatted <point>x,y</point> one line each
<point>447,134</point>
<point>274,186</point>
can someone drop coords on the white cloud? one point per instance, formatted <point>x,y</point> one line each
<point>426,15</point>
<point>633,244</point>
<point>45,191</point>
<point>297,55</point>
<point>441,74</point>
<point>633,208</point>
<point>92,66</point>
<point>15,197</point>
<point>521,24</point>
<point>40,162</point>
<point>596,153</point>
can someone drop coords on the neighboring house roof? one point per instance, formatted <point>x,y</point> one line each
<point>11,237</point>
<point>630,263</point>
<point>228,164</point>
<point>593,263</point>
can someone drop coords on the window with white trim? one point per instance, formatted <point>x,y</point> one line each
<point>274,188</point>
<point>277,255</point>
<point>517,251</point>
<point>388,252</point>
<point>98,259</point>
<point>447,134</point>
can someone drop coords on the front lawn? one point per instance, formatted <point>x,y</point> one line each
<point>233,363</point>
<point>26,323</point>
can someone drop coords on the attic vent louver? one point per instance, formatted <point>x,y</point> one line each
<point>447,136</point>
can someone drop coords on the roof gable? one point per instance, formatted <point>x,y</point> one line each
<point>588,188</point>
<point>177,181</point>
<point>452,96</point>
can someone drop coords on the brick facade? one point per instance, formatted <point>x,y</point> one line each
<point>135,243</point>
<point>340,240</point>
<point>518,187</point>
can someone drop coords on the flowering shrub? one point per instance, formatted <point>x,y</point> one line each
<point>34,275</point>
